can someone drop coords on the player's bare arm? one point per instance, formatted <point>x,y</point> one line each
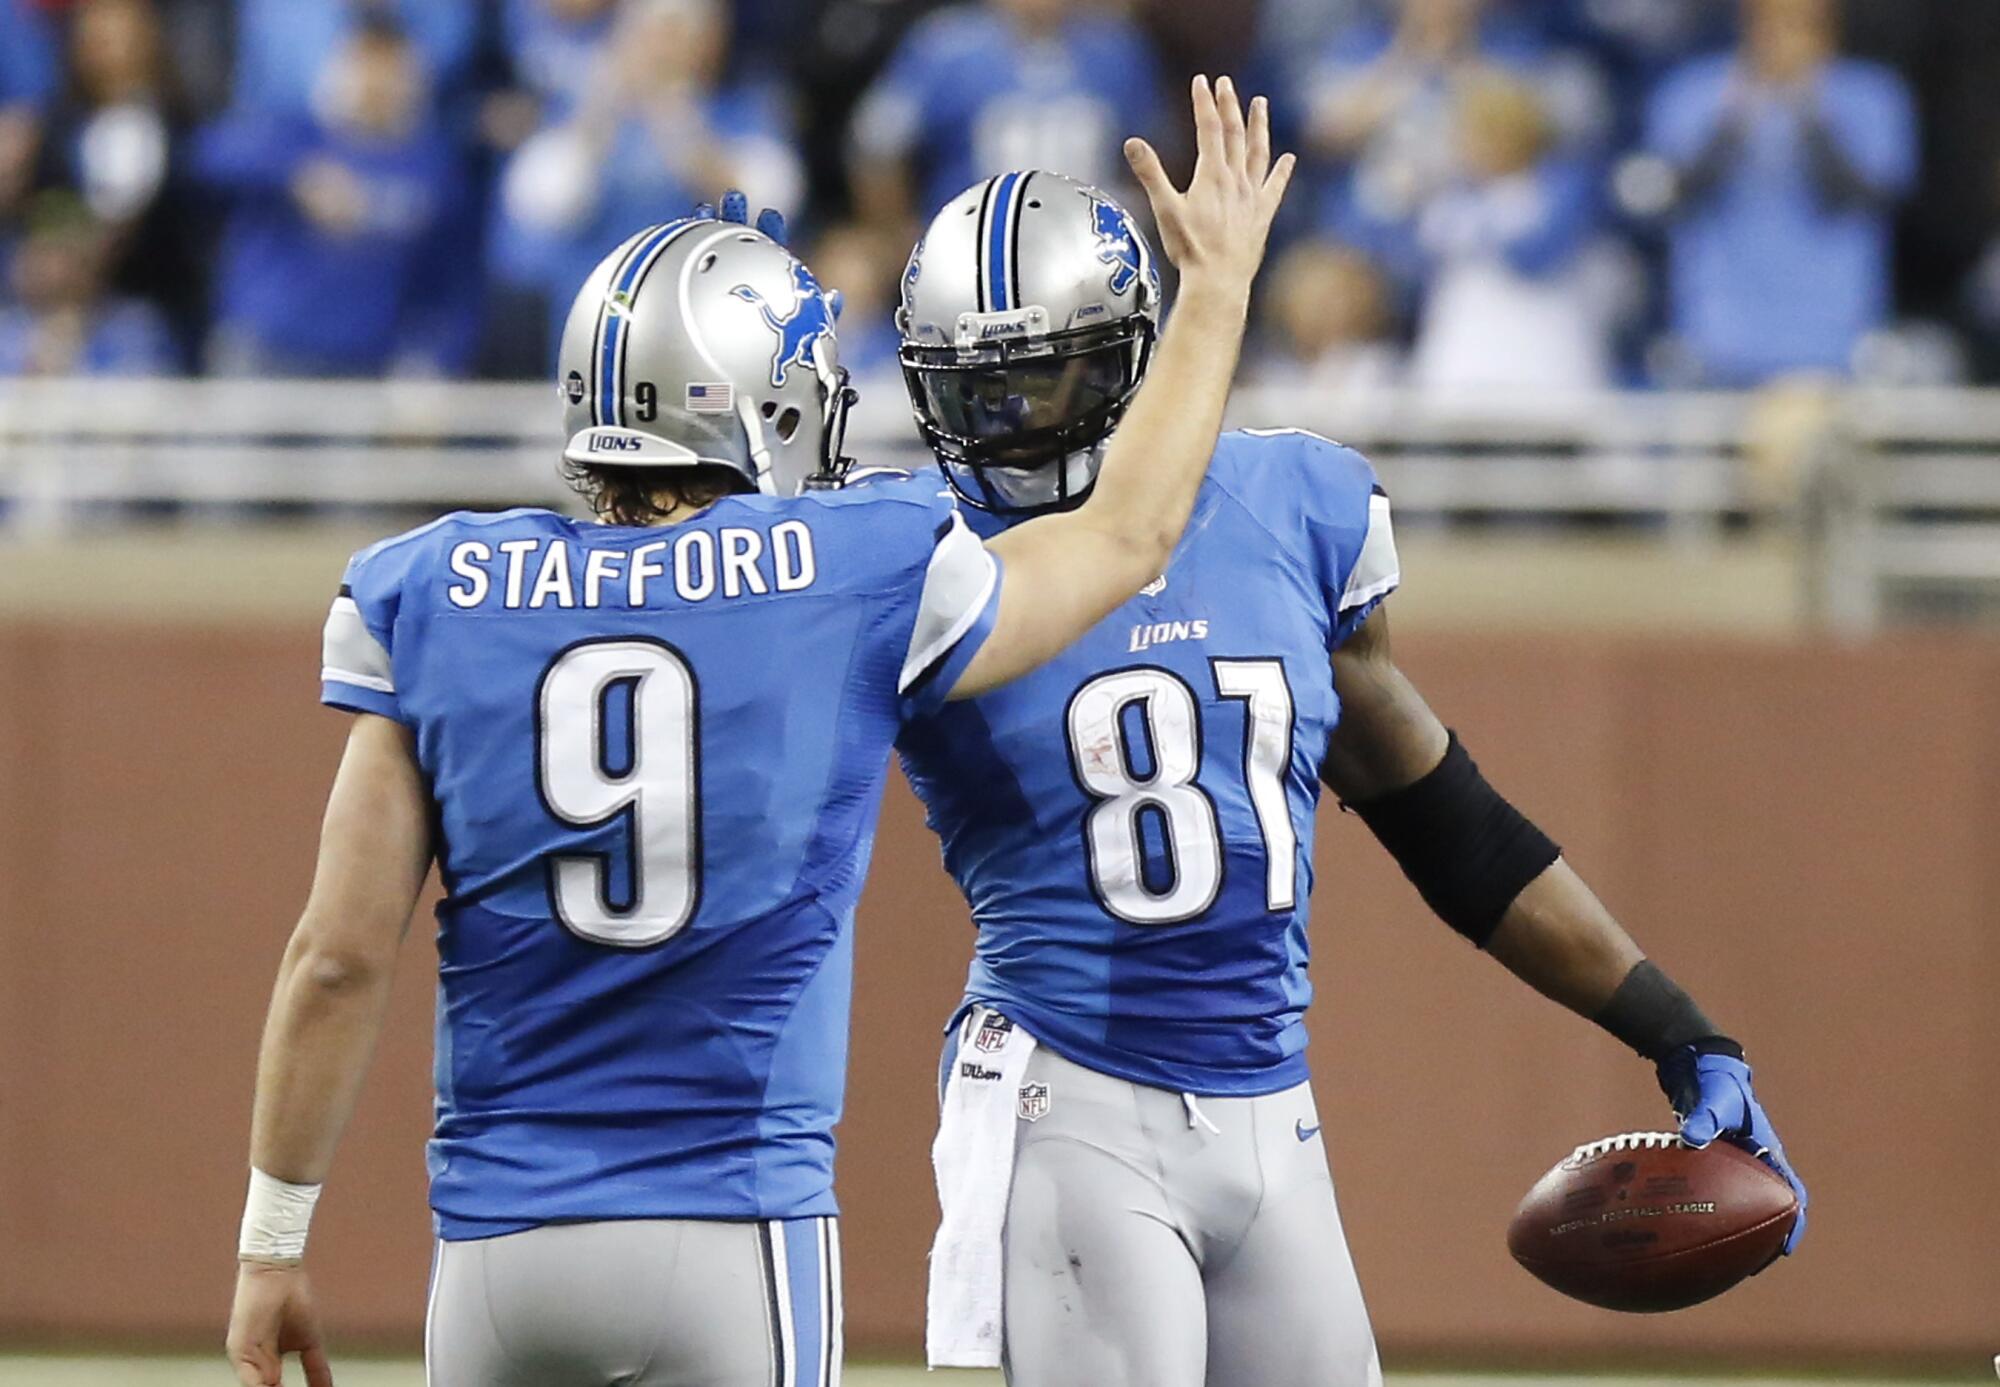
<point>1497,879</point>
<point>326,1014</point>
<point>1066,572</point>
<point>1556,936</point>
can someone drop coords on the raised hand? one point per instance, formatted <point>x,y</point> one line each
<point>1215,231</point>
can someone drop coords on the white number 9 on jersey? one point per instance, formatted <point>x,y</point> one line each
<point>651,788</point>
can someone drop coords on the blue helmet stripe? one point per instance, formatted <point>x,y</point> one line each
<point>610,399</point>
<point>996,241</point>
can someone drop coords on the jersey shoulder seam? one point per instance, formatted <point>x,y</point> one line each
<point>478,518</point>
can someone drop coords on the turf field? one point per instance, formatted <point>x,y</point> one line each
<point>51,1371</point>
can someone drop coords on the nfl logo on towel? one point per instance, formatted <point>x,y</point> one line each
<point>1033,1102</point>
<point>717,398</point>
<point>993,1032</point>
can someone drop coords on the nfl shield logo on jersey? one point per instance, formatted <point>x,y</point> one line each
<point>993,1032</point>
<point>1034,1102</point>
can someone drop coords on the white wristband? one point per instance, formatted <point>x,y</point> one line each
<point>276,1215</point>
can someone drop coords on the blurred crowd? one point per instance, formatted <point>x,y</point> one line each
<point>1497,194</point>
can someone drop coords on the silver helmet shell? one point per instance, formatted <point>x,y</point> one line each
<point>704,343</point>
<point>1028,314</point>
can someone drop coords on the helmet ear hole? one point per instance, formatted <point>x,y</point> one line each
<point>770,410</point>
<point>788,424</point>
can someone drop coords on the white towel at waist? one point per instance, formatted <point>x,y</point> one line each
<point>973,1159</point>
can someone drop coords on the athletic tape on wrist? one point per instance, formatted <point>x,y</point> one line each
<point>276,1215</point>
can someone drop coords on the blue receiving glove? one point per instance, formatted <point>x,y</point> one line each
<point>736,208</point>
<point>1711,1093</point>
<point>770,221</point>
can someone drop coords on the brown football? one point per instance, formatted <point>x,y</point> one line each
<point>1642,1223</point>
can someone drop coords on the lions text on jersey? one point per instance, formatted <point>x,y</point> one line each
<point>657,757</point>
<point>1132,823</point>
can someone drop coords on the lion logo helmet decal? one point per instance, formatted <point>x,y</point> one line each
<point>1117,246</point>
<point>799,331</point>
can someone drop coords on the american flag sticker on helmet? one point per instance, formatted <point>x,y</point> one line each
<point>712,398</point>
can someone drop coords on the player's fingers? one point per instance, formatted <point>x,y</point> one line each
<point>1257,152</point>
<point>1230,110</point>
<point>319,1372</point>
<point>771,222</point>
<point>1701,1127</point>
<point>255,1367</point>
<point>704,211</point>
<point>1280,178</point>
<point>1152,175</point>
<point>735,207</point>
<point>1798,1231</point>
<point>1207,125</point>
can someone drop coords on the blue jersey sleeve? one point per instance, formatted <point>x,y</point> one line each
<point>1338,511</point>
<point>357,654</point>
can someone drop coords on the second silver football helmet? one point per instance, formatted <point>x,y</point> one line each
<point>1028,313</point>
<point>704,343</point>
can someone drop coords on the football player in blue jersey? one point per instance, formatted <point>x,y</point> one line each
<point>1129,1148</point>
<point>646,756</point>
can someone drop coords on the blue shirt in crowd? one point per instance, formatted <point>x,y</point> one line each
<point>126,337</point>
<point>29,65</point>
<point>315,302</point>
<point>282,46</point>
<point>638,184</point>
<point>1768,273</point>
<point>554,57</point>
<point>967,94</point>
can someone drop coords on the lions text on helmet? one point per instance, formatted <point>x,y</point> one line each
<point>1028,315</point>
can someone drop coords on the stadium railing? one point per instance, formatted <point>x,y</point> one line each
<point>1893,494</point>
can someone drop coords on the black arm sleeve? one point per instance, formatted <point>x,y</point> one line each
<point>1468,851</point>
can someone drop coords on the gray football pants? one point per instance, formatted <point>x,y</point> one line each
<point>639,1303</point>
<point>1144,1249</point>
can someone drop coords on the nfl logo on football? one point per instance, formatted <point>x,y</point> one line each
<point>1033,1102</point>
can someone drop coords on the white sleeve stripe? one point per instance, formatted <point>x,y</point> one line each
<point>350,650</point>
<point>957,585</point>
<point>1349,601</point>
<point>1376,569</point>
<point>360,681</point>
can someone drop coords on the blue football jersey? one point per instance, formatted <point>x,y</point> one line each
<point>657,757</point>
<point>1132,823</point>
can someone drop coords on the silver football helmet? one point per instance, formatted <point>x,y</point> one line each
<point>705,343</point>
<point>1028,314</point>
